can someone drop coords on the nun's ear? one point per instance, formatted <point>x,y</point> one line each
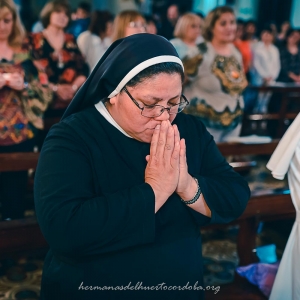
<point>113,100</point>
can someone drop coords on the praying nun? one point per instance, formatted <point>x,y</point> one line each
<point>126,180</point>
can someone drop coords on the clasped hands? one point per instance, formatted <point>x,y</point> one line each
<point>167,170</point>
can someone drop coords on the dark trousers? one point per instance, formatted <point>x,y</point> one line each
<point>13,185</point>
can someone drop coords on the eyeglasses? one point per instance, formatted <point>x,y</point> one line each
<point>153,111</point>
<point>137,25</point>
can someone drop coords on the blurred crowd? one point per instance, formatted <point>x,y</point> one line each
<point>41,70</point>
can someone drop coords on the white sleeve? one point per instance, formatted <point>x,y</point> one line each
<point>276,63</point>
<point>82,44</point>
<point>257,63</point>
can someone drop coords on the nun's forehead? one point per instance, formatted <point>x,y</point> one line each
<point>142,66</point>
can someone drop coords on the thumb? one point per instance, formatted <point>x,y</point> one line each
<point>147,158</point>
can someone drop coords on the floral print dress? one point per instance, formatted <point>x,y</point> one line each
<point>61,67</point>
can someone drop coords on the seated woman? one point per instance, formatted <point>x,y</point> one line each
<point>24,96</point>
<point>57,53</point>
<point>214,71</point>
<point>125,181</point>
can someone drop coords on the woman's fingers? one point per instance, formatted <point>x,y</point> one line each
<point>175,156</point>
<point>176,134</point>
<point>183,163</point>
<point>160,148</point>
<point>154,141</point>
<point>169,146</point>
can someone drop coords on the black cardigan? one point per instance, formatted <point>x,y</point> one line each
<point>97,213</point>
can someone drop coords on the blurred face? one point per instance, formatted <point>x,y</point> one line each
<point>225,28</point>
<point>162,89</point>
<point>138,26</point>
<point>193,30</point>
<point>250,28</point>
<point>294,38</point>
<point>172,13</point>
<point>151,28</point>
<point>239,31</point>
<point>6,23</point>
<point>81,13</point>
<point>109,29</point>
<point>59,19</point>
<point>267,37</point>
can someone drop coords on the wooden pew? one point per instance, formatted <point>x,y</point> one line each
<point>285,89</point>
<point>20,161</point>
<point>23,234</point>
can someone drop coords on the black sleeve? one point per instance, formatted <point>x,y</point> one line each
<point>225,191</point>
<point>284,67</point>
<point>74,220</point>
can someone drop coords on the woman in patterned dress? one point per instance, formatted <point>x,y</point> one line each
<point>24,96</point>
<point>56,53</point>
<point>214,74</point>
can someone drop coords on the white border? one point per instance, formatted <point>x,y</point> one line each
<point>140,67</point>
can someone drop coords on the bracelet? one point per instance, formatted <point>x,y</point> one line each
<point>197,195</point>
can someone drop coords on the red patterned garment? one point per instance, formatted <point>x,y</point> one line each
<point>61,67</point>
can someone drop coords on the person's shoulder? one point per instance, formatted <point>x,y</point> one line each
<point>236,53</point>
<point>176,41</point>
<point>84,35</point>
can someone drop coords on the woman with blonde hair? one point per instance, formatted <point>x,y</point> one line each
<point>127,23</point>
<point>24,97</point>
<point>214,74</point>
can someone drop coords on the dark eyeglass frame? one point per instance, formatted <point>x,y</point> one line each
<point>162,107</point>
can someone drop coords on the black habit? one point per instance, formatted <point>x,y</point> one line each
<point>97,213</point>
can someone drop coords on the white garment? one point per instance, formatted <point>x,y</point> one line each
<point>104,112</point>
<point>92,47</point>
<point>266,63</point>
<point>286,158</point>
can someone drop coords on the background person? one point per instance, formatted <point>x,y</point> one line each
<point>126,23</point>
<point>94,42</point>
<point>82,21</point>
<point>169,23</point>
<point>266,67</point>
<point>290,57</point>
<point>215,76</point>
<point>57,53</point>
<point>24,96</point>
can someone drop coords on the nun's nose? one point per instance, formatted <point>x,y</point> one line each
<point>165,116</point>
